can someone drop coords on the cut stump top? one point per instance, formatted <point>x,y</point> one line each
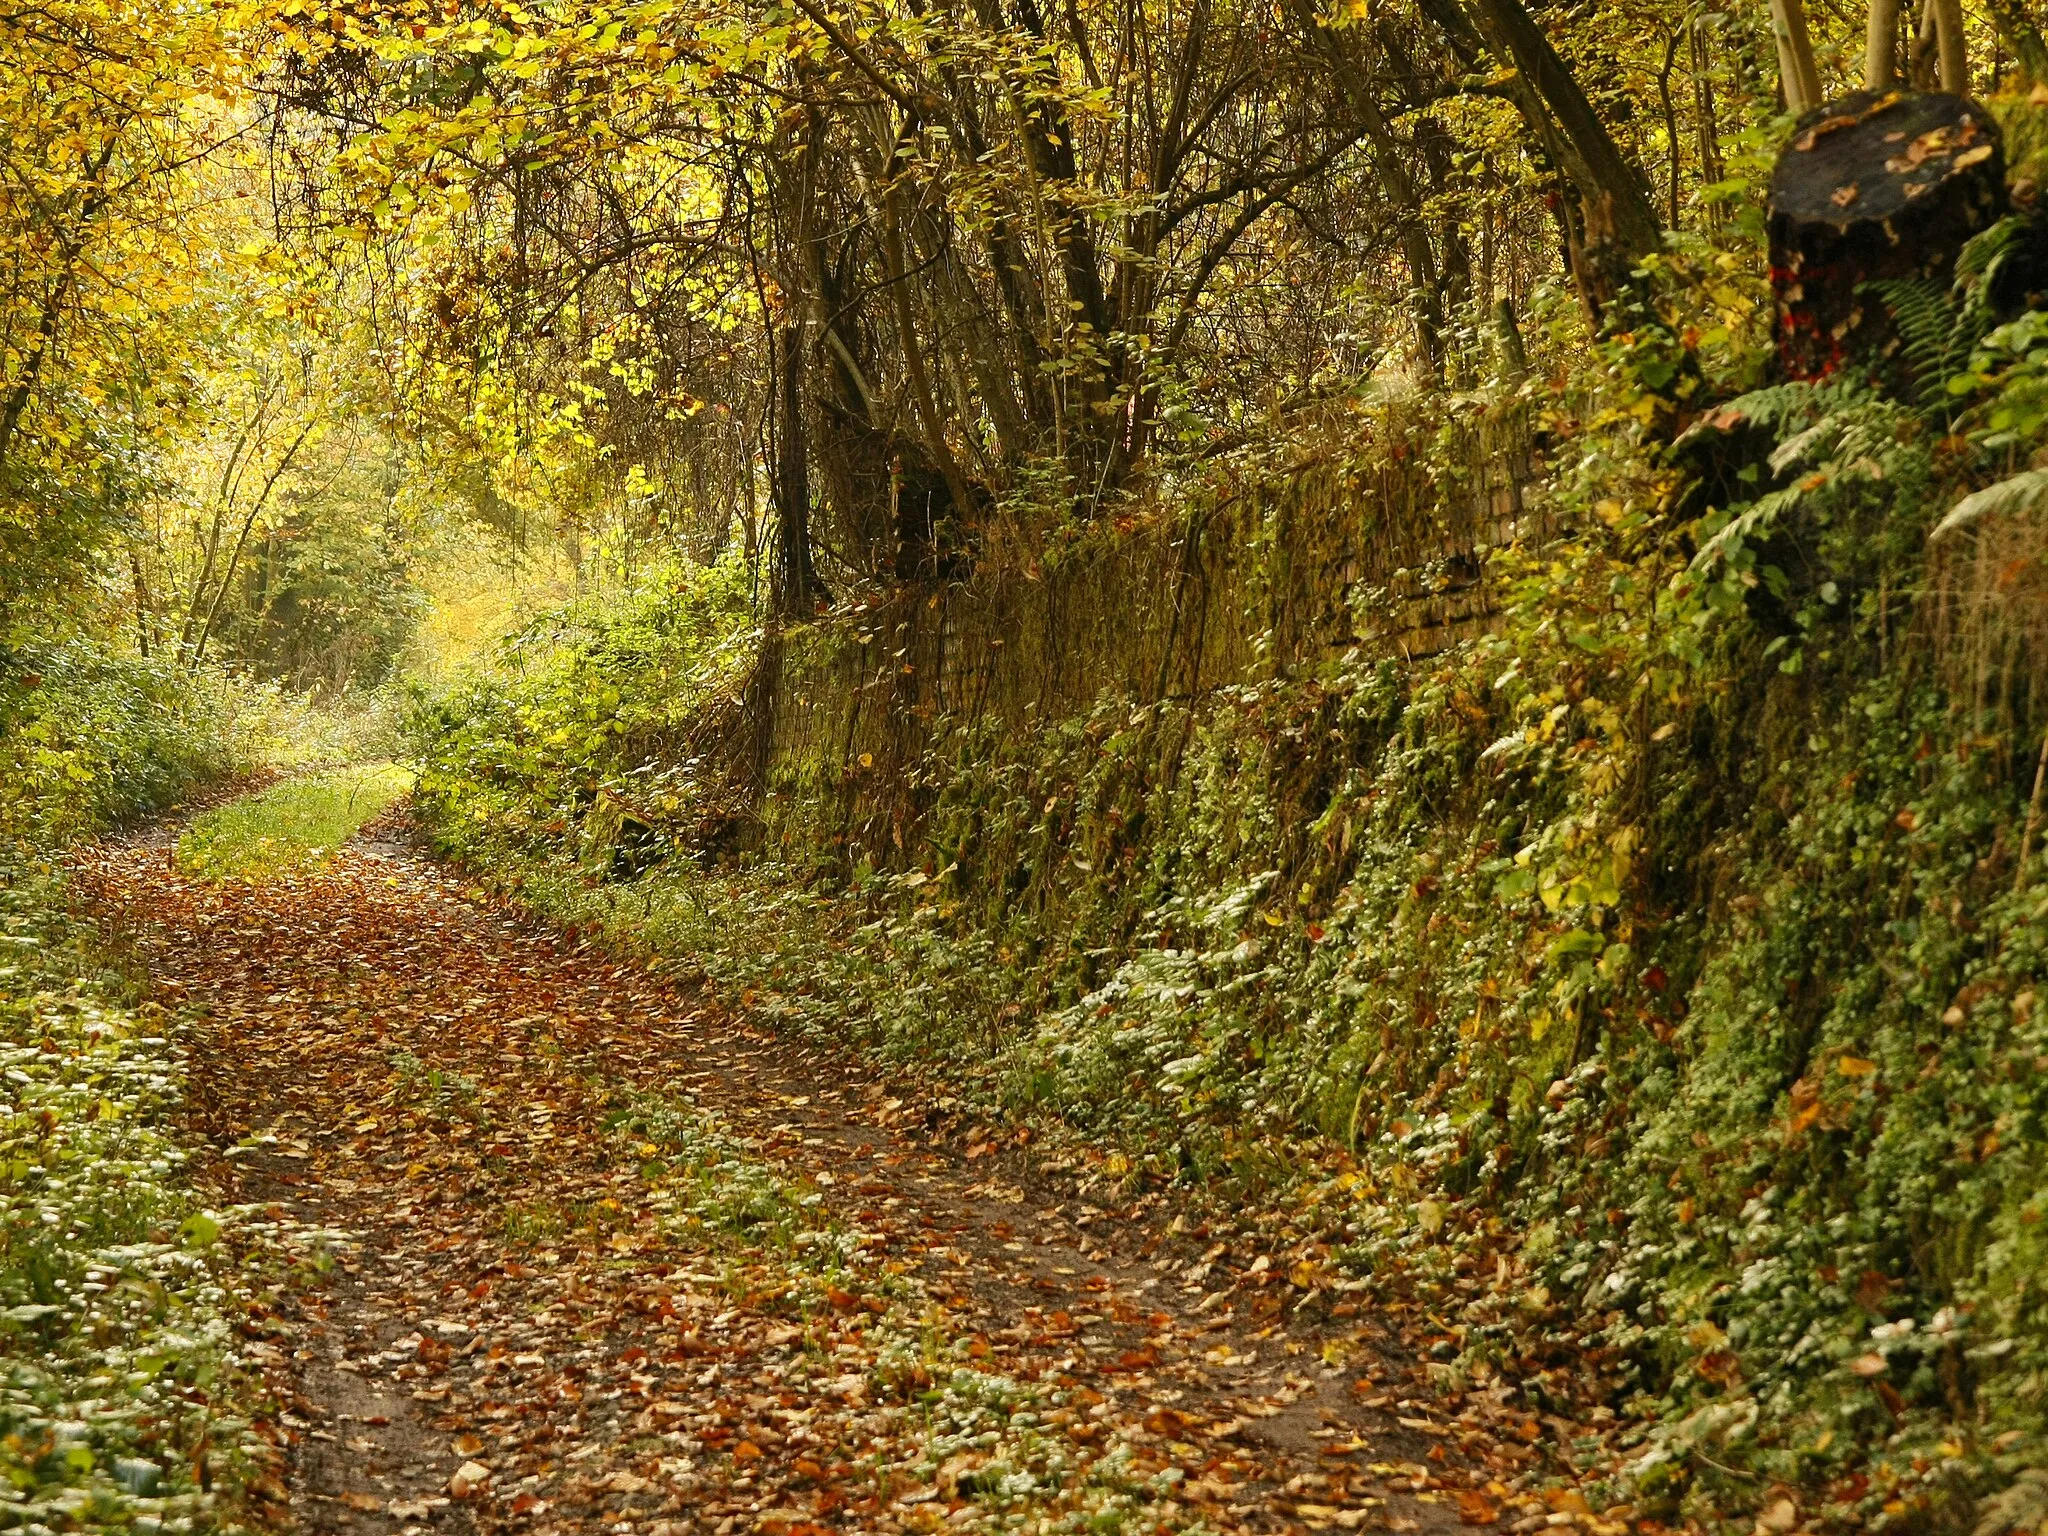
<point>1875,187</point>
<point>1873,156</point>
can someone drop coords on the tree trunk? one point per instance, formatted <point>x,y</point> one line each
<point>1881,46</point>
<point>1393,175</point>
<point>1954,47</point>
<point>1795,56</point>
<point>1618,223</point>
<point>795,589</point>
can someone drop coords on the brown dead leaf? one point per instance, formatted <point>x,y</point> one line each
<point>1822,129</point>
<point>1475,1508</point>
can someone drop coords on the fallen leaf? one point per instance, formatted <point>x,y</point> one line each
<point>1778,1517</point>
<point>469,1479</point>
<point>1475,1508</point>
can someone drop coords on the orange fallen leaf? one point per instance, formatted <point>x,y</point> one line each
<point>1475,1508</point>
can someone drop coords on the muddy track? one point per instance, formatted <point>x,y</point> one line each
<point>512,1339</point>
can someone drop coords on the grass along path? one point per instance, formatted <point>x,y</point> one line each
<point>292,825</point>
<point>617,1262</point>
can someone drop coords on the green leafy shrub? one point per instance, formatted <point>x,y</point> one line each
<point>88,738</point>
<point>582,730</point>
<point>120,1407</point>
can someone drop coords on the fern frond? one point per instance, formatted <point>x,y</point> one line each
<point>1752,523</point>
<point>1940,328</point>
<point>2024,492</point>
<point>1778,406</point>
<point>1983,251</point>
<point>1924,314</point>
<point>1799,448</point>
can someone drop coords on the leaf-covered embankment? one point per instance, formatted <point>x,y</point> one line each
<point>126,1403</point>
<point>132,1400</point>
<point>1664,952</point>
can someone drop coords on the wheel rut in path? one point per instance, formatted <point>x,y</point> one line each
<point>517,1335</point>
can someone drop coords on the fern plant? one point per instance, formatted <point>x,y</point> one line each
<point>1941,329</point>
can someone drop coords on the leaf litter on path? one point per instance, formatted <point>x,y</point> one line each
<point>608,1259</point>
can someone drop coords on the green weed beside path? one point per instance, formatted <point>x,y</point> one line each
<point>292,825</point>
<point>120,1404</point>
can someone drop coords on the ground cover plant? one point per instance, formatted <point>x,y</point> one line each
<point>290,826</point>
<point>125,1407</point>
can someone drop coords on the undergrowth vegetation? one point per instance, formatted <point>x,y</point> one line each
<point>588,724</point>
<point>122,1406</point>
<point>1665,951</point>
<point>92,737</point>
<point>124,1401</point>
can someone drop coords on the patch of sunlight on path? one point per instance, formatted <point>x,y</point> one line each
<point>291,826</point>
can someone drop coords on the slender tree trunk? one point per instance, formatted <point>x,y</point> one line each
<point>925,400</point>
<point>1705,110</point>
<point>32,366</point>
<point>1670,119</point>
<point>1921,58</point>
<point>1881,46</point>
<point>1796,68</point>
<point>144,616</point>
<point>1392,174</point>
<point>227,579</point>
<point>795,587</point>
<point>1954,47</point>
<point>1618,223</point>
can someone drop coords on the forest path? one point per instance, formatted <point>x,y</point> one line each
<point>529,1330</point>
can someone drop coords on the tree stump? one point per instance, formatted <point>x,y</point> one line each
<point>1876,185</point>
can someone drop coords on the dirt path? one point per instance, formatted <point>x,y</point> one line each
<point>608,1259</point>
